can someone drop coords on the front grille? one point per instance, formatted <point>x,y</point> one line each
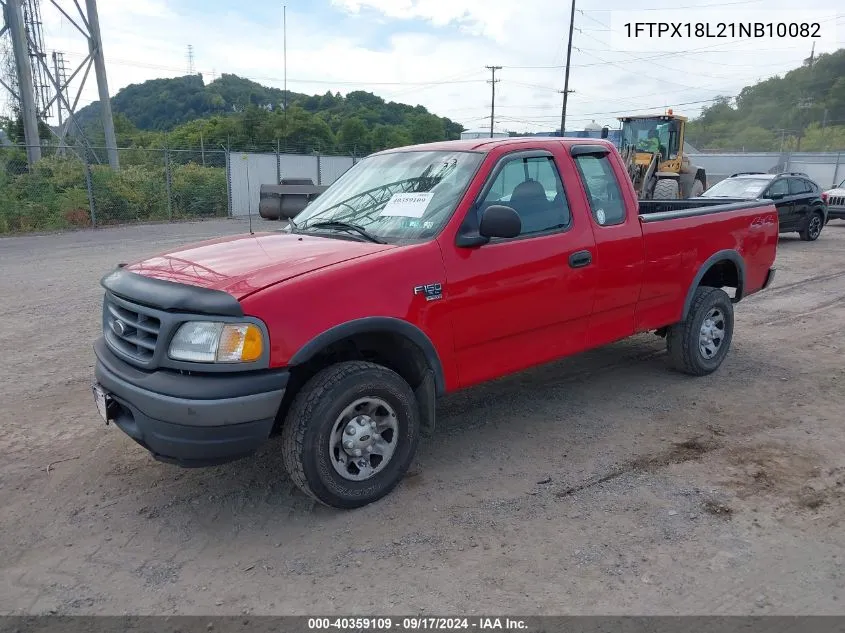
<point>128,329</point>
<point>836,201</point>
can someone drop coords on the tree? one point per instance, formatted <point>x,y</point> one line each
<point>353,136</point>
<point>426,128</point>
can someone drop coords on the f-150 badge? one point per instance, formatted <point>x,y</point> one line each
<point>430,291</point>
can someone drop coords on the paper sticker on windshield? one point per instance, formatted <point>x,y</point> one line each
<point>600,216</point>
<point>407,205</point>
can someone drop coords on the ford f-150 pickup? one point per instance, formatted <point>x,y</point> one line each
<point>422,270</point>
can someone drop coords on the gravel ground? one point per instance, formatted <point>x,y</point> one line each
<point>601,484</point>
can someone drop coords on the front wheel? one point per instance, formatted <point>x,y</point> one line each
<point>814,226</point>
<point>351,434</point>
<point>698,344</point>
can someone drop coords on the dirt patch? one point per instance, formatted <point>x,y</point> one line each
<point>678,453</point>
<point>783,471</point>
<point>717,508</point>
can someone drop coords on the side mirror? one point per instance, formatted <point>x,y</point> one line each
<point>775,196</point>
<point>500,221</point>
<point>605,131</point>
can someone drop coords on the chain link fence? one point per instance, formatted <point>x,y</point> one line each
<point>75,187</point>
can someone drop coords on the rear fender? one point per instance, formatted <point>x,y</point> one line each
<point>724,255</point>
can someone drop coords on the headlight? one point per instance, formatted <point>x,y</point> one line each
<point>211,342</point>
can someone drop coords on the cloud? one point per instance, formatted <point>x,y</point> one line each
<point>432,53</point>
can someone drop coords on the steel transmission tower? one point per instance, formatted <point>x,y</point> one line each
<point>191,69</point>
<point>38,86</point>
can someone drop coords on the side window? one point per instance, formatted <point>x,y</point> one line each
<point>603,192</point>
<point>532,187</point>
<point>796,186</point>
<point>779,187</point>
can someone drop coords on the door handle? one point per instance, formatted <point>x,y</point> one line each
<point>580,259</point>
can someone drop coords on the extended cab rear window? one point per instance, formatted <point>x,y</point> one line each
<point>603,193</point>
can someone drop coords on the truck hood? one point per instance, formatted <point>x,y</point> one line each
<point>243,264</point>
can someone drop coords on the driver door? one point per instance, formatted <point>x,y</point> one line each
<point>526,300</point>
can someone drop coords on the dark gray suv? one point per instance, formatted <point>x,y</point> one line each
<point>801,208</point>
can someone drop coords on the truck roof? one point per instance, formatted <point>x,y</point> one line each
<point>489,144</point>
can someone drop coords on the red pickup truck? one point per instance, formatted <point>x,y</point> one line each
<point>421,271</point>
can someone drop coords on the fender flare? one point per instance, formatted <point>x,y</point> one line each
<point>372,325</point>
<point>715,258</point>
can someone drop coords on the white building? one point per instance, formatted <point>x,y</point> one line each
<point>470,134</point>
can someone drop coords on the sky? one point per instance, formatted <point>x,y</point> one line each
<point>435,52</point>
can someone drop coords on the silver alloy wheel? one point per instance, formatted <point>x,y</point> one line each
<point>712,333</point>
<point>815,226</point>
<point>363,439</point>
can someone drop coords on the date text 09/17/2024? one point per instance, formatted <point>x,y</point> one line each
<point>417,623</point>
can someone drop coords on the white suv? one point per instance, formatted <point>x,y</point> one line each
<point>835,201</point>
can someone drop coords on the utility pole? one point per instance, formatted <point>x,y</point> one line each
<point>14,21</point>
<point>566,77</point>
<point>95,47</point>
<point>493,81</point>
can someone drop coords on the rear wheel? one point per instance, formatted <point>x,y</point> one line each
<point>698,344</point>
<point>351,434</point>
<point>666,189</point>
<point>813,228</point>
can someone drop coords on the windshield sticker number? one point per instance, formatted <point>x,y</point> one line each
<point>407,205</point>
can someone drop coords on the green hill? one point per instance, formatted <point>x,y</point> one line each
<point>804,109</point>
<point>243,114</point>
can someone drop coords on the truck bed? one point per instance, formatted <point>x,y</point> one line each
<point>698,206</point>
<point>679,232</point>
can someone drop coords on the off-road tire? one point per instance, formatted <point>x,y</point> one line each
<point>811,232</point>
<point>682,339</point>
<point>309,422</point>
<point>666,189</point>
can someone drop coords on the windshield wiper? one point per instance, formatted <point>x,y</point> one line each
<point>334,224</point>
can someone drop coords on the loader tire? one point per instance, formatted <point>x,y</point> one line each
<point>666,189</point>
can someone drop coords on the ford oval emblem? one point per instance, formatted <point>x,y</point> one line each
<point>118,327</point>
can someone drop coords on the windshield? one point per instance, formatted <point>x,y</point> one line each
<point>746,188</point>
<point>653,135</point>
<point>395,196</point>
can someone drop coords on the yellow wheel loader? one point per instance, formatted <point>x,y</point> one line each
<point>653,149</point>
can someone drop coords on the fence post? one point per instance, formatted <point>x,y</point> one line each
<point>228,180</point>
<point>89,186</point>
<point>202,148</point>
<point>836,170</point>
<point>167,181</point>
<point>319,169</point>
<point>278,163</point>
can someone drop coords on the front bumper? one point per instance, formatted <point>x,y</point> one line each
<point>836,213</point>
<point>189,419</point>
